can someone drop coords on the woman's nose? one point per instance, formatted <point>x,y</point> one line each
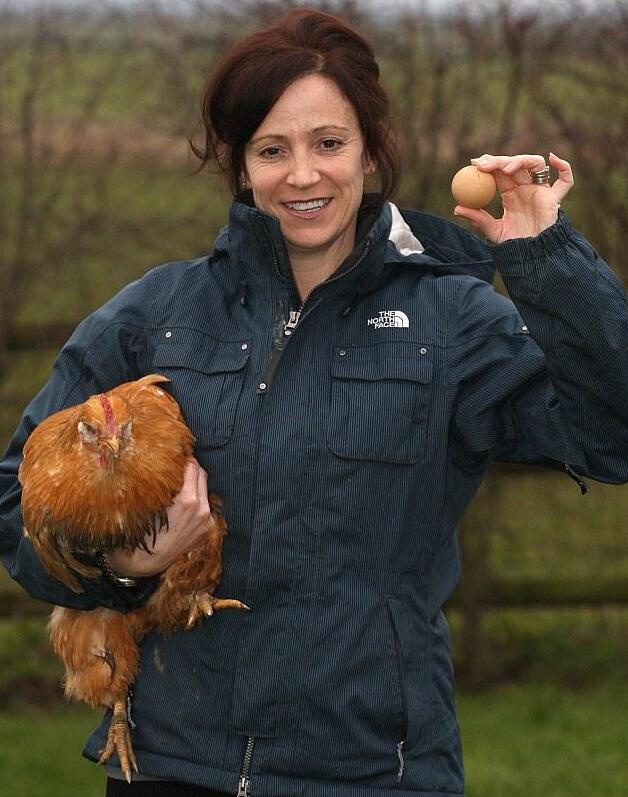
<point>302,173</point>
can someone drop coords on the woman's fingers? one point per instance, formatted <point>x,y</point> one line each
<point>509,164</point>
<point>194,489</point>
<point>481,220</point>
<point>519,167</point>
<point>564,183</point>
<point>509,171</point>
<point>190,510</point>
<point>526,164</point>
<point>202,486</point>
<point>189,490</point>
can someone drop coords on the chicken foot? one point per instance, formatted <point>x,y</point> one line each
<point>204,605</point>
<point>119,741</point>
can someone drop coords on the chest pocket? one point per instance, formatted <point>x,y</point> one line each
<point>206,376</point>
<point>379,402</point>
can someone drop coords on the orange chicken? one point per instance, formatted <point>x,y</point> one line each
<point>99,477</point>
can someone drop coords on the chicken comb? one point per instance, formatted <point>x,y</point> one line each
<point>110,421</point>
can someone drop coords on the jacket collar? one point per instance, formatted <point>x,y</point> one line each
<point>254,242</point>
<point>385,237</point>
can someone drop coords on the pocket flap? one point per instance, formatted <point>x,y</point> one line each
<point>394,360</point>
<point>209,356</point>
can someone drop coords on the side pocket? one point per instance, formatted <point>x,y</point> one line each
<point>400,669</point>
<point>413,655</point>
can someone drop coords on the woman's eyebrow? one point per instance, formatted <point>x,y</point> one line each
<point>319,129</point>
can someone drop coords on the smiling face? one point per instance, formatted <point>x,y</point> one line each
<point>305,165</point>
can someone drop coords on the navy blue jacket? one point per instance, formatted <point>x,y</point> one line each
<point>345,448</point>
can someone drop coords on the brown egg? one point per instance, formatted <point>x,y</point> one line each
<point>473,188</point>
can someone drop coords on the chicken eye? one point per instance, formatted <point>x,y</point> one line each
<point>87,430</point>
<point>125,431</point>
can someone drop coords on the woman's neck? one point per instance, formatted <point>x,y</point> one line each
<point>311,267</point>
<point>308,274</point>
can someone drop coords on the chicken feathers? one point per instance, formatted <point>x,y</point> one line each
<point>99,477</point>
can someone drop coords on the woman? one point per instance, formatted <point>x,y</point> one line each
<point>349,373</point>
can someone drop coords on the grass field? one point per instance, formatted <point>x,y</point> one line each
<point>543,741</point>
<point>519,741</point>
<point>40,754</point>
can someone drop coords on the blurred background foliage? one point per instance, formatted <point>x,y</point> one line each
<point>98,184</point>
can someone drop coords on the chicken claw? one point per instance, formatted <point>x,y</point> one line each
<point>119,741</point>
<point>206,605</point>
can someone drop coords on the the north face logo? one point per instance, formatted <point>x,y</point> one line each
<point>389,318</point>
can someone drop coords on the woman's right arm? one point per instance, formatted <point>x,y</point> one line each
<point>108,348</point>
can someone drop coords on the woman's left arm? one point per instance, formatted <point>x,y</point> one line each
<point>572,405</point>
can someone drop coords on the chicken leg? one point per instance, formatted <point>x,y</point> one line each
<point>100,654</point>
<point>119,741</point>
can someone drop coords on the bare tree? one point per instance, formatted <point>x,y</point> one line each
<point>55,212</point>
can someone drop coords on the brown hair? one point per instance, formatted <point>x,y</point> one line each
<point>251,77</point>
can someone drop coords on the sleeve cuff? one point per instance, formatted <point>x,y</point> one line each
<point>121,599</point>
<point>512,257</point>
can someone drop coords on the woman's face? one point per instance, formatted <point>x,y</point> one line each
<point>306,164</point>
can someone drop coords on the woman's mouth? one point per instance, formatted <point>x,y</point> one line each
<point>307,208</point>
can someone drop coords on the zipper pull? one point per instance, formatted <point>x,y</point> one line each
<point>401,761</point>
<point>584,489</point>
<point>129,696</point>
<point>244,786</point>
<point>291,322</point>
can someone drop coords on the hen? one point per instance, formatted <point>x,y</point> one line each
<point>98,477</point>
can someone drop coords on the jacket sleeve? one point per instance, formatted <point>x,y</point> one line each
<point>108,348</point>
<point>544,380</point>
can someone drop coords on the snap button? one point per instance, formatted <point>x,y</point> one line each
<point>245,346</point>
<point>168,334</point>
<point>342,352</point>
<point>423,351</point>
<point>262,385</point>
<point>287,332</point>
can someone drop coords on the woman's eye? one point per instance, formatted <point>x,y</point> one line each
<point>330,143</point>
<point>270,152</point>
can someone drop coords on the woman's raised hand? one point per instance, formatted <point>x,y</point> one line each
<point>529,208</point>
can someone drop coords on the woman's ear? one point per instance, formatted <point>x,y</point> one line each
<point>368,164</point>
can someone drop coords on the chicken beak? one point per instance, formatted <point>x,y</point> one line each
<point>113,445</point>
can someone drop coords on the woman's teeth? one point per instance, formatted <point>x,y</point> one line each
<point>313,204</point>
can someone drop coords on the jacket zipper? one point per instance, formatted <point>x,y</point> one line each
<point>244,784</point>
<point>295,317</point>
<point>279,344</point>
